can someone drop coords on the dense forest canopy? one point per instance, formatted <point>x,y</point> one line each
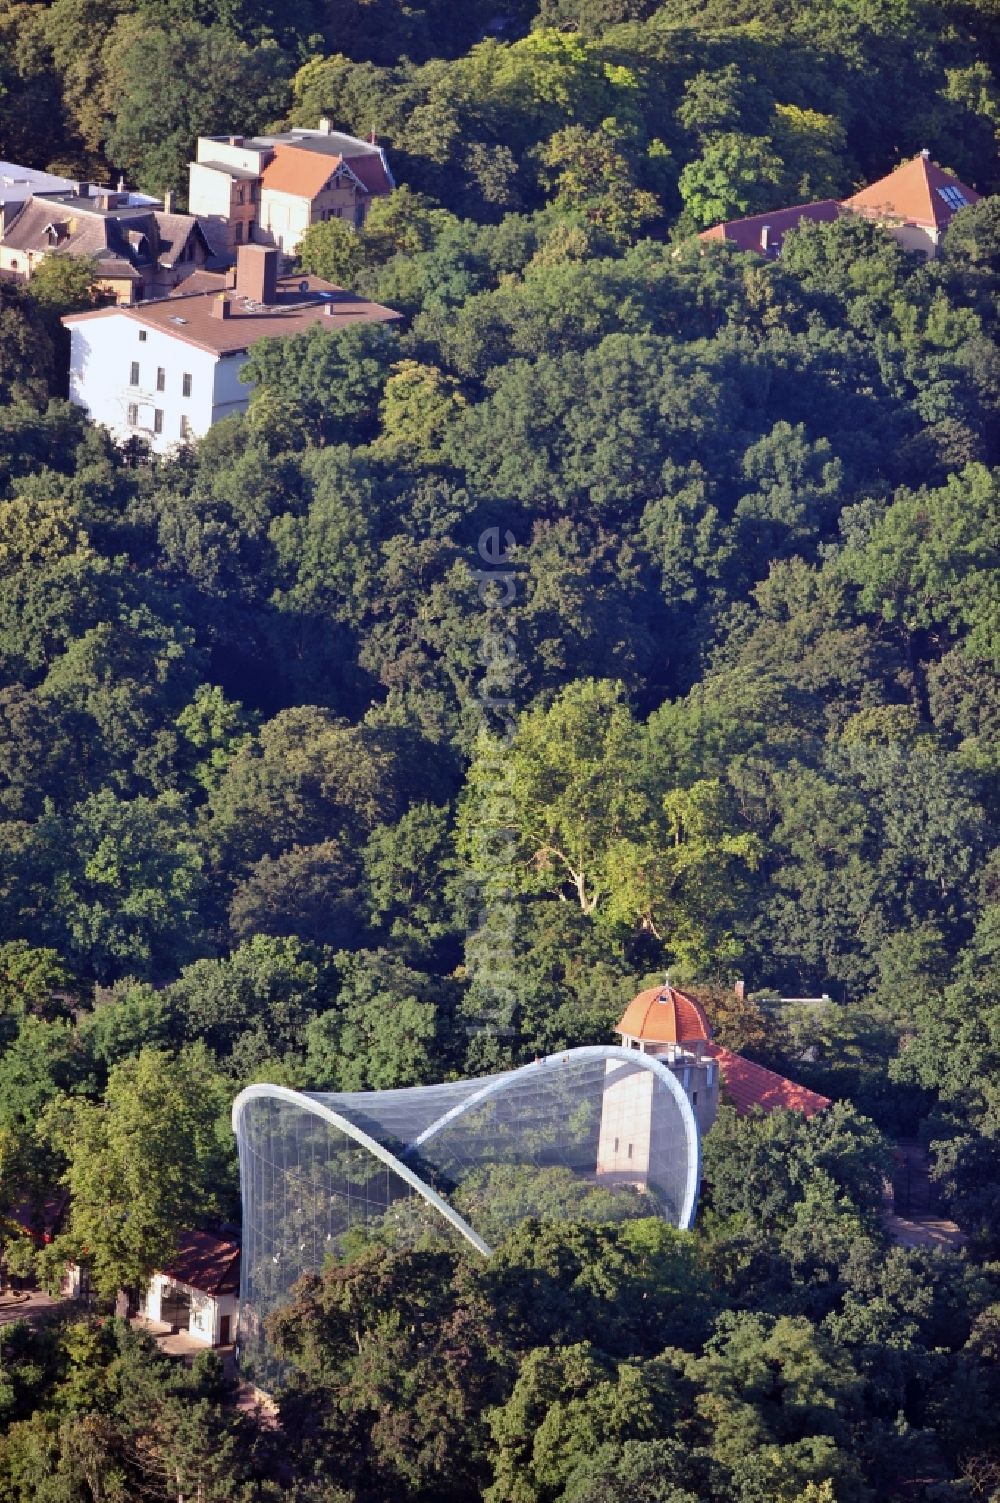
<point>632,604</point>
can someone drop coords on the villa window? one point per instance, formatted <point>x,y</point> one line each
<point>186,384</point>
<point>629,1154</point>
<point>157,420</point>
<point>142,336</point>
<point>161,379</point>
<point>133,414</point>
<point>185,427</point>
<point>133,379</point>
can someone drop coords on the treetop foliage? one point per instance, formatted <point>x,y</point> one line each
<point>283,750</point>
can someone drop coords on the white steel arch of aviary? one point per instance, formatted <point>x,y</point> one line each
<point>364,1140</point>
<point>479,1092</point>
<point>316,1166</point>
<point>499,1084</point>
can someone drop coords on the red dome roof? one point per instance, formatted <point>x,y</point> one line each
<point>663,1015</point>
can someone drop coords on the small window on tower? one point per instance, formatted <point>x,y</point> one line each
<point>694,1098</point>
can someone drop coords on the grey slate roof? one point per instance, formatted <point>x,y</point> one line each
<point>124,240</point>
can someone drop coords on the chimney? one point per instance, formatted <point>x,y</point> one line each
<point>326,125</point>
<point>221,307</point>
<point>236,140</point>
<point>257,273</point>
<point>168,201</point>
<point>925,154</point>
<point>83,189</point>
<point>740,988</point>
<point>765,237</point>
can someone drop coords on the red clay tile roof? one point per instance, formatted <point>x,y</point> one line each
<point>371,171</point>
<point>206,1262</point>
<point>304,173</point>
<point>746,234</point>
<point>748,1085</point>
<point>306,169</point>
<point>40,1219</point>
<point>919,192</point>
<point>663,1015</point>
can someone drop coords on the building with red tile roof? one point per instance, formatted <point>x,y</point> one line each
<point>919,193</point>
<point>749,1086</point>
<point>765,233</point>
<point>166,371</point>
<point>207,1262</point>
<point>663,1015</point>
<point>674,1027</point>
<point>198,1291</point>
<point>268,189</point>
<point>915,204</point>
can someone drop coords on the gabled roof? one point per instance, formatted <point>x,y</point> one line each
<point>304,173</point>
<point>130,236</point>
<point>920,192</point>
<point>663,1015</point>
<point>748,234</point>
<point>305,166</point>
<point>206,1262</point>
<point>371,171</point>
<point>751,1085</point>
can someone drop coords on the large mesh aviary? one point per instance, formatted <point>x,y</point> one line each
<point>597,1134</point>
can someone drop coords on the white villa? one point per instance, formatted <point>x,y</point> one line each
<point>165,371</point>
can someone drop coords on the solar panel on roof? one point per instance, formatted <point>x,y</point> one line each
<point>953,197</point>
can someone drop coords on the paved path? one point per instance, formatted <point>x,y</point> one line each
<point>174,1343</point>
<point>924,1231</point>
<point>910,1216</point>
<point>34,1307</point>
